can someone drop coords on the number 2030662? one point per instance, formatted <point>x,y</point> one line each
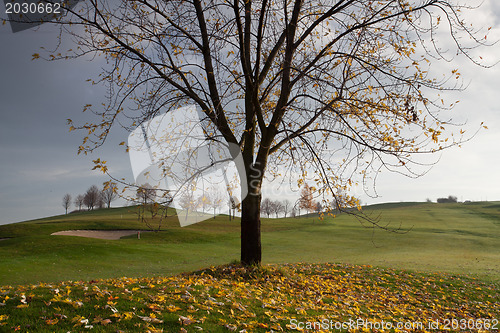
<point>32,8</point>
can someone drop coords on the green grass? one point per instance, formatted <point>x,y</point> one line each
<point>436,264</point>
<point>453,238</point>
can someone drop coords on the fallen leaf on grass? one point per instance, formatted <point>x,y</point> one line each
<point>99,320</point>
<point>151,320</point>
<point>186,320</point>
<point>106,322</point>
<point>112,308</point>
<point>172,308</point>
<point>231,327</point>
<point>239,306</point>
<point>52,321</point>
<point>128,315</point>
<point>154,330</point>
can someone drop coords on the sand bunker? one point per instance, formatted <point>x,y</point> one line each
<point>100,234</point>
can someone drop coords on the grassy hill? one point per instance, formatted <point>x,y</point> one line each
<point>453,238</point>
<point>352,274</point>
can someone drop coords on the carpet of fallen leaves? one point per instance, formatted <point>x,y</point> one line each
<point>272,298</point>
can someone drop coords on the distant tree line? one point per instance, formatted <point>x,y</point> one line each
<point>210,201</point>
<point>284,207</point>
<point>93,198</point>
<point>306,203</point>
<point>450,198</point>
<point>276,207</point>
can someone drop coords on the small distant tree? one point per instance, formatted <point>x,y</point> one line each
<point>154,201</point>
<point>277,207</point>
<point>100,201</point>
<point>286,206</point>
<point>306,199</point>
<point>109,194</point>
<point>204,201</point>
<point>166,201</point>
<point>266,206</point>
<point>66,202</point>
<point>79,201</point>
<point>318,207</point>
<point>92,197</point>
<point>188,202</point>
<point>215,200</point>
<point>297,207</point>
<point>273,206</point>
<point>146,194</point>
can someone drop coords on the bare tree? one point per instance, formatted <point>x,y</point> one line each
<point>92,197</point>
<point>267,206</point>
<point>284,83</point>
<point>154,201</point>
<point>286,206</point>
<point>109,194</point>
<point>66,202</point>
<point>146,194</point>
<point>100,201</point>
<point>79,201</point>
<point>188,202</point>
<point>277,207</point>
<point>215,200</point>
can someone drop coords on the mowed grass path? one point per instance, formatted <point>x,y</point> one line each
<point>453,238</point>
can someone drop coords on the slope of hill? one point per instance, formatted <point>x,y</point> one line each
<point>453,238</point>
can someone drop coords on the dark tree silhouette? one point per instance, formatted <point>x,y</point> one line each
<point>267,206</point>
<point>92,197</point>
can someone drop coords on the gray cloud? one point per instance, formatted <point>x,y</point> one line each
<point>38,161</point>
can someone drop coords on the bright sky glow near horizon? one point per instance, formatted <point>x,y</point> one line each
<point>38,155</point>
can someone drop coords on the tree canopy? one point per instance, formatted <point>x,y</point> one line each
<point>325,91</point>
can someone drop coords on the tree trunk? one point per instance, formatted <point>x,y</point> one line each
<point>251,250</point>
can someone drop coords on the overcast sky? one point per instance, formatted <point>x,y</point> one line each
<point>39,161</point>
